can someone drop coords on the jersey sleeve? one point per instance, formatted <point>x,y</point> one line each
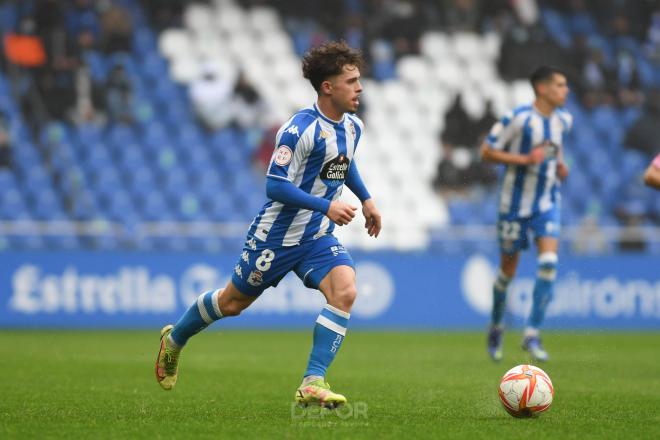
<point>502,132</point>
<point>292,143</point>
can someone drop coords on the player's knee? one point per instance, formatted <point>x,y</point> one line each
<point>345,297</point>
<point>232,308</point>
<point>547,269</point>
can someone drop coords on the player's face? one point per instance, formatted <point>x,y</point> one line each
<point>556,90</point>
<point>346,89</point>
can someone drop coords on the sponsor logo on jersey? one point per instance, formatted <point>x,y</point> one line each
<point>336,169</point>
<point>246,257</point>
<point>336,250</point>
<point>252,244</point>
<point>324,135</point>
<point>238,271</point>
<point>255,278</point>
<point>283,155</point>
<point>293,129</point>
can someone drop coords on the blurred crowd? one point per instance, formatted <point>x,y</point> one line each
<point>610,50</point>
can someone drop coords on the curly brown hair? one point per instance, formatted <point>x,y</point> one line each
<point>329,59</point>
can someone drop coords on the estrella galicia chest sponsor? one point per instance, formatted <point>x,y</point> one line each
<point>334,172</point>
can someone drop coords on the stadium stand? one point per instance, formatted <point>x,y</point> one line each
<point>141,136</point>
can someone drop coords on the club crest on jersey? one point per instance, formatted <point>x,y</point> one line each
<point>334,172</point>
<point>351,127</point>
<point>255,278</point>
<point>323,134</point>
<point>283,155</point>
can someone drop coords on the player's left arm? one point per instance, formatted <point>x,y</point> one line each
<point>562,168</point>
<point>652,174</point>
<point>371,214</point>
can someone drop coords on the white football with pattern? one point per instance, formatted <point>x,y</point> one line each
<point>526,390</point>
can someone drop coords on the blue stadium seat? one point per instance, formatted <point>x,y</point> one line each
<point>632,164</point>
<point>557,26</point>
<point>46,205</point>
<point>97,64</point>
<point>121,134</point>
<point>154,207</point>
<point>12,204</point>
<point>189,208</point>
<point>88,134</point>
<point>144,43</point>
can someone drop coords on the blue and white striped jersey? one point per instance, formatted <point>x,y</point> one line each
<point>314,153</point>
<point>528,190</point>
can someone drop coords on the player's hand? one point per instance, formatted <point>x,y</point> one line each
<point>536,156</point>
<point>341,213</point>
<point>562,170</point>
<point>372,221</point>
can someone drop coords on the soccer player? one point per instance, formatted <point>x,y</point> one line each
<point>312,160</point>
<point>529,141</point>
<point>652,173</point>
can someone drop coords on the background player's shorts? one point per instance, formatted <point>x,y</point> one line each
<point>513,232</point>
<point>261,265</point>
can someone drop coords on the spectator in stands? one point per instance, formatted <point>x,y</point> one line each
<point>5,145</point>
<point>652,45</point>
<point>89,101</point>
<point>249,109</point>
<point>264,152</point>
<point>457,124</point>
<point>461,16</point>
<point>119,96</point>
<point>164,14</point>
<point>451,179</point>
<point>644,135</point>
<point>211,96</point>
<point>116,29</point>
<point>25,48</point>
<point>629,83</point>
<point>82,14</point>
<point>598,81</point>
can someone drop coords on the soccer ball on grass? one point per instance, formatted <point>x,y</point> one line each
<point>526,390</point>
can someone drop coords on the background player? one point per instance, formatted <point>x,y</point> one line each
<point>529,141</point>
<point>293,232</point>
<point>652,173</point>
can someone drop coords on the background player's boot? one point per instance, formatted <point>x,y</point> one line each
<point>318,392</point>
<point>495,343</point>
<point>167,360</point>
<point>533,345</point>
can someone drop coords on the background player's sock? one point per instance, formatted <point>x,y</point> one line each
<point>499,298</point>
<point>202,313</point>
<point>329,333</point>
<point>543,289</point>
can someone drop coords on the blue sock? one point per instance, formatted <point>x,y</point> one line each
<point>499,298</point>
<point>202,313</point>
<point>329,333</point>
<point>543,291</point>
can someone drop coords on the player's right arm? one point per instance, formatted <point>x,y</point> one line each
<point>283,191</point>
<point>503,132</point>
<point>652,174</point>
<point>490,154</point>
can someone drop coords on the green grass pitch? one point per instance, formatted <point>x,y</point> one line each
<point>240,384</point>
